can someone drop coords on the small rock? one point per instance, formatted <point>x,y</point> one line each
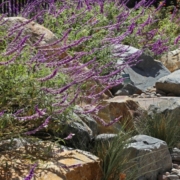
<point>158,95</point>
<point>167,173</point>
<point>147,93</point>
<point>135,95</point>
<point>175,154</point>
<point>143,95</point>
<point>152,90</point>
<point>173,177</point>
<point>175,166</point>
<point>154,93</point>
<point>153,96</point>
<point>174,171</point>
<point>105,137</point>
<point>148,96</point>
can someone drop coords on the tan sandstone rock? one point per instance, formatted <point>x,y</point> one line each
<point>32,28</point>
<point>35,31</point>
<point>58,166</point>
<point>171,60</point>
<point>115,107</point>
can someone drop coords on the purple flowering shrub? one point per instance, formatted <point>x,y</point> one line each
<point>112,22</point>
<point>156,30</point>
<point>37,87</point>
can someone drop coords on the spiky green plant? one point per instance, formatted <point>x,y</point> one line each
<point>114,157</point>
<point>164,127</point>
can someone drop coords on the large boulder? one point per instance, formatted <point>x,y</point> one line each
<point>114,108</point>
<point>53,163</point>
<point>82,133</point>
<point>35,32</point>
<point>170,84</point>
<point>88,119</point>
<point>151,157</point>
<point>171,60</point>
<point>143,74</point>
<point>33,29</point>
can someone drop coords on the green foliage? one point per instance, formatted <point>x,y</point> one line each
<point>82,25</point>
<point>115,158</point>
<point>21,89</point>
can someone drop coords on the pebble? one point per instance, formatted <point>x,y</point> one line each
<point>148,96</point>
<point>173,177</point>
<point>174,171</point>
<point>174,174</point>
<point>158,95</point>
<point>153,96</point>
<point>135,95</point>
<point>152,93</point>
<point>143,95</point>
<point>176,166</point>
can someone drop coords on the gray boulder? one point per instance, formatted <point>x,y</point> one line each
<point>151,157</point>
<point>104,138</point>
<point>90,122</point>
<point>170,83</point>
<point>82,133</point>
<point>144,72</point>
<point>166,106</point>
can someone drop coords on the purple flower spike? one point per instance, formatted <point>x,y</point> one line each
<point>176,40</point>
<point>31,173</point>
<point>70,136</point>
<point>39,114</point>
<point>1,113</point>
<point>79,5</point>
<point>50,76</point>
<point>46,122</point>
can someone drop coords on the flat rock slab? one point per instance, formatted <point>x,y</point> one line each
<point>146,102</point>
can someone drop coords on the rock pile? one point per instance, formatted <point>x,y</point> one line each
<point>174,174</point>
